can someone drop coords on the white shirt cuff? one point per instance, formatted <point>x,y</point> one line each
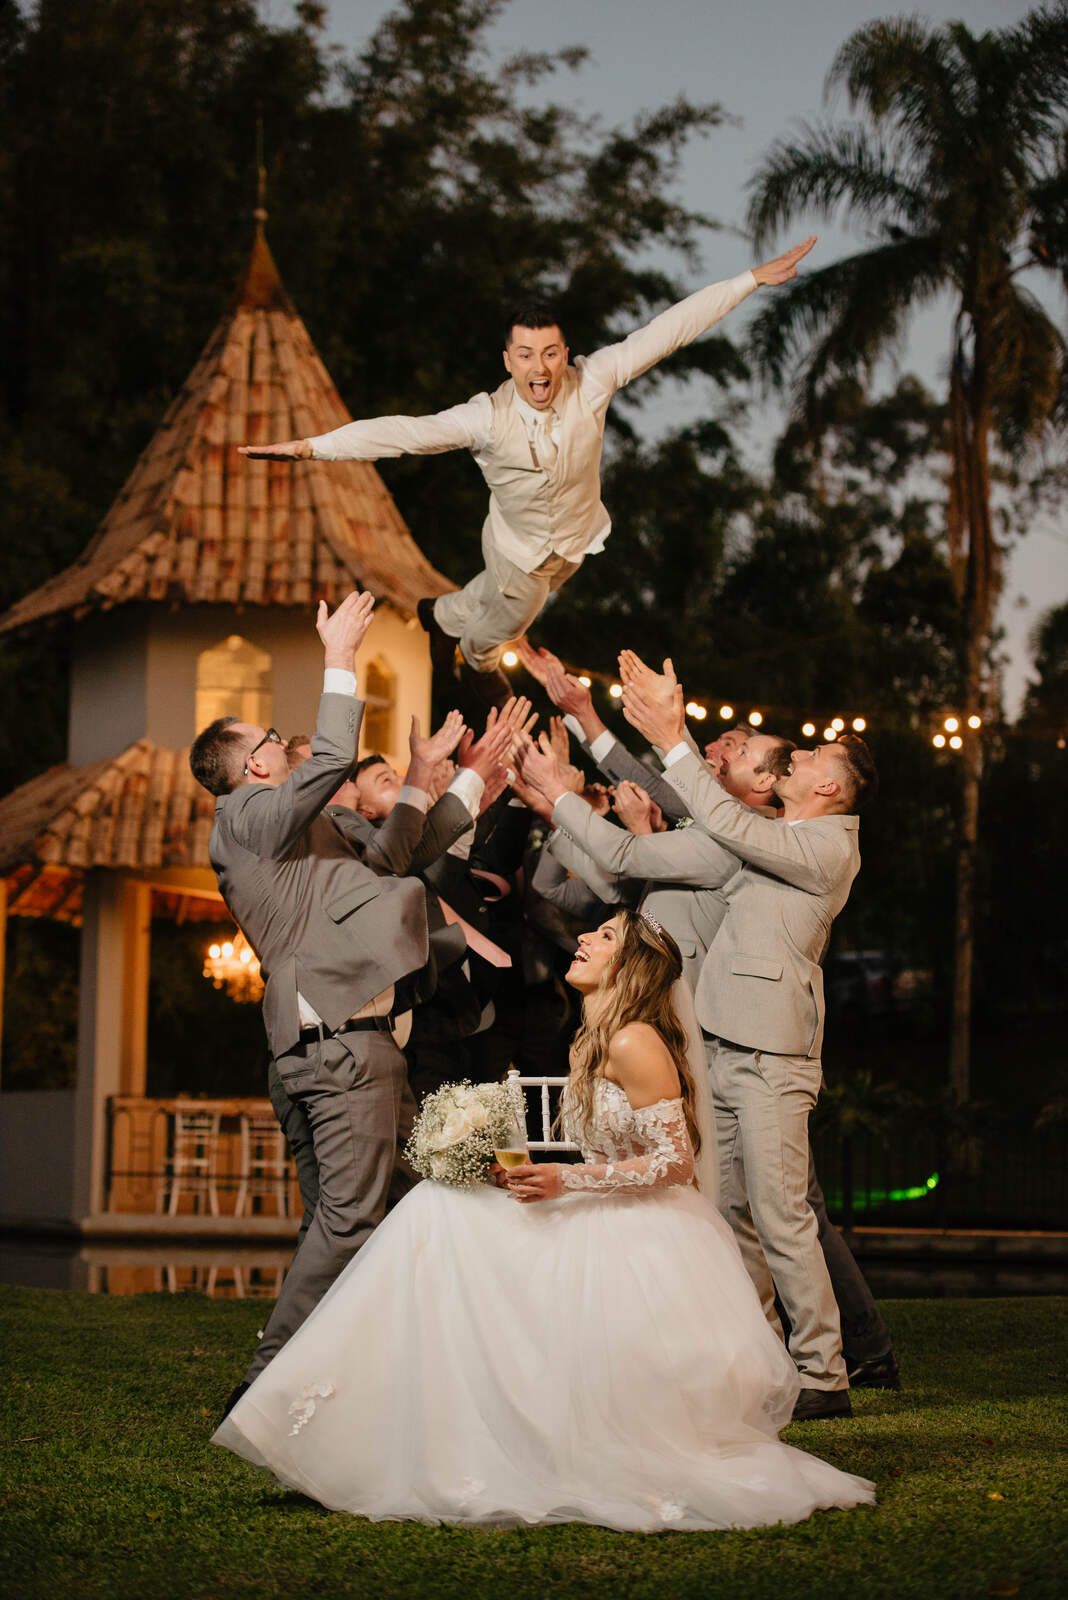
<point>470,787</point>
<point>411,796</point>
<point>677,753</point>
<point>337,681</point>
<point>602,745</point>
<point>573,725</point>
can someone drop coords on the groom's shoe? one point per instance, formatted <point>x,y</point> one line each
<point>235,1396</point>
<point>881,1373</point>
<point>816,1403</point>
<point>442,644</point>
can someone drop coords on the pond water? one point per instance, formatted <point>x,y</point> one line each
<point>255,1272</point>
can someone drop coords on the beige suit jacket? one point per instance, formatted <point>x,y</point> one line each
<point>761,984</point>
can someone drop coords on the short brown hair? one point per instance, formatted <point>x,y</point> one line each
<point>778,759</point>
<point>217,756</point>
<point>863,779</point>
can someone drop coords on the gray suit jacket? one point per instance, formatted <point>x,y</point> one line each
<point>389,846</point>
<point>619,765</point>
<point>761,984</point>
<point>320,920</point>
<point>671,866</point>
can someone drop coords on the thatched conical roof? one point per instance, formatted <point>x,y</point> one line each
<point>197,523</point>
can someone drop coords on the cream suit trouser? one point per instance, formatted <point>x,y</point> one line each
<point>498,605</point>
<point>762,1105</point>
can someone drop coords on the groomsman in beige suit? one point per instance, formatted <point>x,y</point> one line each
<point>537,441</point>
<point>760,1002</point>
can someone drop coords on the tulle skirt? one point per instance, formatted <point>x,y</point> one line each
<point>597,1358</point>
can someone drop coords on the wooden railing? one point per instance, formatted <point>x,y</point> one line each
<point>140,1144</point>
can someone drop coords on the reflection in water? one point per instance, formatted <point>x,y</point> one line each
<point>224,1272</point>
<point>236,1272</point>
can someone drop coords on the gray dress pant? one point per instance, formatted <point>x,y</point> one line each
<point>353,1090</point>
<point>762,1105</point>
<point>498,605</point>
<point>296,1129</point>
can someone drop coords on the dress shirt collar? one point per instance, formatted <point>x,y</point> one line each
<point>533,419</point>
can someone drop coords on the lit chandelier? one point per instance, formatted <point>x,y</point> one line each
<point>233,965</point>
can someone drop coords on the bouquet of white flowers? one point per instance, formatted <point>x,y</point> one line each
<point>458,1129</point>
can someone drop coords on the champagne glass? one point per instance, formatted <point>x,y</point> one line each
<point>515,1152</point>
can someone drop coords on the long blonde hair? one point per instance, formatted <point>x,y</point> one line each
<point>635,987</point>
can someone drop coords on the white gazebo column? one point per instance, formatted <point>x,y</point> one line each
<point>112,1021</point>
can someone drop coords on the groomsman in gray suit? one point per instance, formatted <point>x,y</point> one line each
<point>760,1001</point>
<point>336,942</point>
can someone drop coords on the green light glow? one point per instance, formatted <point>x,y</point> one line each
<point>878,1197</point>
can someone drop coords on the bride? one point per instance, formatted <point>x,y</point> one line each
<point>593,1353</point>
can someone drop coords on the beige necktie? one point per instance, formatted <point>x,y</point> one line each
<point>544,443</point>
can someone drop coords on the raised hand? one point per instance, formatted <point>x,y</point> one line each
<point>536,662</point>
<point>532,798</point>
<point>539,767</point>
<point>634,808</point>
<point>344,630</point>
<point>662,724</point>
<point>439,781</point>
<point>784,267</point>
<point>428,754</point>
<point>290,450</point>
<point>489,752</point>
<point>520,718</point>
<point>633,672</point>
<point>598,797</point>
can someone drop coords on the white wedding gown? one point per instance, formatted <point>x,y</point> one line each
<point>598,1358</point>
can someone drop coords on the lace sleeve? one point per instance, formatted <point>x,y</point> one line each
<point>668,1160</point>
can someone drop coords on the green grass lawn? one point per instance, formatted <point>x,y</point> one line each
<point>109,1487</point>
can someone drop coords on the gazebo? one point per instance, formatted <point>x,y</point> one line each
<point>195,597</point>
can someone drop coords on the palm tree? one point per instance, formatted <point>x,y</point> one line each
<point>956,168</point>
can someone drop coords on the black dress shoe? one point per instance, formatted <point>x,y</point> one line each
<point>880,1373</point>
<point>235,1396</point>
<point>816,1403</point>
<point>442,644</point>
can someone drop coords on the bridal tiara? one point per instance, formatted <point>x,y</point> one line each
<point>651,920</point>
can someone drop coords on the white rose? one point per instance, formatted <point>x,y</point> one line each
<point>460,1122</point>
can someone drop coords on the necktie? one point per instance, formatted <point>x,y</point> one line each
<point>544,443</point>
<point>476,941</point>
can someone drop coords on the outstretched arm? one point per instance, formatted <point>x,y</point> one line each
<point>464,427</point>
<point>609,369</point>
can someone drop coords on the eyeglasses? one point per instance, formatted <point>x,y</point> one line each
<point>272,736</point>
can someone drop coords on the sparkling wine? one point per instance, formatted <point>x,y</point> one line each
<point>512,1158</point>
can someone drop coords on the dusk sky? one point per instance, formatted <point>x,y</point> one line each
<point>764,62</point>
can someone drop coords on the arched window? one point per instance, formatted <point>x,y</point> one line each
<point>234,680</point>
<point>379,694</point>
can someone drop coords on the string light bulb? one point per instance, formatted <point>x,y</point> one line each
<point>955,742</point>
<point>974,721</point>
<point>939,741</point>
<point>859,724</point>
<point>616,691</point>
<point>585,682</point>
<point>837,723</point>
<point>726,712</point>
<point>808,729</point>
<point>951,724</point>
<point>510,659</point>
<point>755,718</point>
<point>830,734</point>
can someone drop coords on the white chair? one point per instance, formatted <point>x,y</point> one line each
<point>543,1086</point>
<point>191,1165</point>
<point>265,1166</point>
